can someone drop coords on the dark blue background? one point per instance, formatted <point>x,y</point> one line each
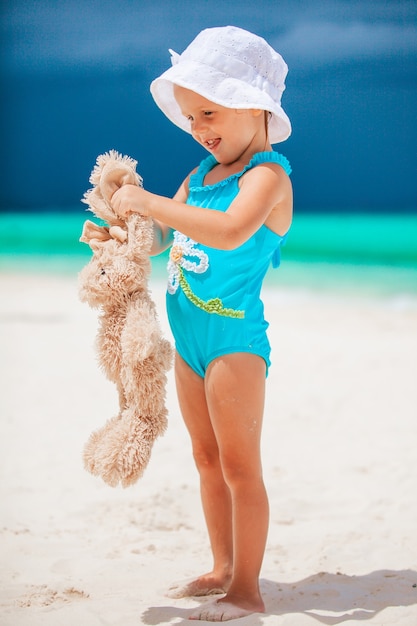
<point>75,83</point>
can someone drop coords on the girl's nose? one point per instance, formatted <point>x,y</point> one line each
<point>197,125</point>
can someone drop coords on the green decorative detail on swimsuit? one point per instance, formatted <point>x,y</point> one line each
<point>215,305</point>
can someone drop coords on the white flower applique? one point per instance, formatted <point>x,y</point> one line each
<point>182,248</point>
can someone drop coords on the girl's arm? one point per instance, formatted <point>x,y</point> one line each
<point>264,191</point>
<point>162,233</point>
<point>162,237</point>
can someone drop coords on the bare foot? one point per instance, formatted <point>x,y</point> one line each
<point>223,611</point>
<point>207,585</point>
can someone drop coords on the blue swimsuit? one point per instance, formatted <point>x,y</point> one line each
<point>213,300</point>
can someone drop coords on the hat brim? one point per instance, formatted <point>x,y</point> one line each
<point>226,92</point>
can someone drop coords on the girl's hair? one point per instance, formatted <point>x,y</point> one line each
<point>267,117</point>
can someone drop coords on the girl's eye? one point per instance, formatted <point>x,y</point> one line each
<point>190,118</point>
<point>207,113</point>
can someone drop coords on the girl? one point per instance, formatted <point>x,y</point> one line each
<point>226,224</point>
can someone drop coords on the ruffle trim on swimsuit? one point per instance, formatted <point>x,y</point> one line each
<point>197,179</point>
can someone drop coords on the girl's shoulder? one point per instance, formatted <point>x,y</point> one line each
<point>269,157</point>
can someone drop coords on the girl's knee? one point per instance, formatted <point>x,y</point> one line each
<point>241,469</point>
<point>206,460</point>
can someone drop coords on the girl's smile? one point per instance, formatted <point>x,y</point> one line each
<point>212,143</point>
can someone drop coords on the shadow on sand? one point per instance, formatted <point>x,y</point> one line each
<point>328,598</point>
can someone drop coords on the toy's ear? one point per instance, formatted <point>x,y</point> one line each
<point>112,178</point>
<point>96,244</point>
<point>92,231</point>
<point>112,171</point>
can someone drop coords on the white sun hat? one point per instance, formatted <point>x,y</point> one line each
<point>231,67</point>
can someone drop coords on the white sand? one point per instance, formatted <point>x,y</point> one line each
<point>340,464</point>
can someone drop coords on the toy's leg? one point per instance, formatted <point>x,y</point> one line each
<point>97,453</point>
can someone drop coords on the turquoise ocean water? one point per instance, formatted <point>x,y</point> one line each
<point>366,254</point>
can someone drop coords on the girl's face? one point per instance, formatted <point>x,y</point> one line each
<point>228,134</point>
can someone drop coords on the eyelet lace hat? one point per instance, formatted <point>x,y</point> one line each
<point>231,67</point>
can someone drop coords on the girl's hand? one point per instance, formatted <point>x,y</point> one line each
<point>129,199</point>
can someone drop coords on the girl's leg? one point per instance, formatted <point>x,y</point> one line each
<point>215,494</point>
<point>235,391</point>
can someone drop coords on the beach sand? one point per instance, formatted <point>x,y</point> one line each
<point>340,464</point>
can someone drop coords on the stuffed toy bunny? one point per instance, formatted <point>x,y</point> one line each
<point>131,349</point>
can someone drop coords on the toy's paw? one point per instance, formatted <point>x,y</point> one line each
<point>119,233</point>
